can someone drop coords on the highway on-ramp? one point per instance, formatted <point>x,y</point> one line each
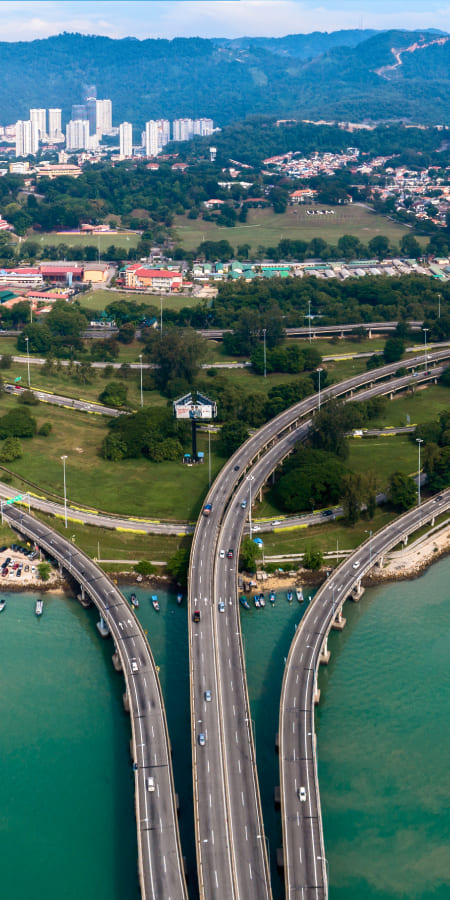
<point>160,862</point>
<point>306,875</point>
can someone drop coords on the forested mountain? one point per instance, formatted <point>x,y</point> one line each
<point>388,75</point>
<point>299,46</point>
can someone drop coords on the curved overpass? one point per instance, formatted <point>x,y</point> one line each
<point>303,843</point>
<point>216,334</point>
<point>226,795</point>
<point>160,862</point>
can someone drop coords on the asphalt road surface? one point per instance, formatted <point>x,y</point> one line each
<point>160,860</point>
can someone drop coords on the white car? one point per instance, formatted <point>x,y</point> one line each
<point>208,696</point>
<point>356,564</point>
<point>302,794</point>
<point>256,528</point>
<point>150,783</point>
<point>134,665</point>
<point>222,554</point>
<point>221,606</point>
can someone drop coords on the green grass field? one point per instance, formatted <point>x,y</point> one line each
<point>265,228</point>
<point>324,537</point>
<point>102,241</point>
<point>99,299</point>
<point>383,455</point>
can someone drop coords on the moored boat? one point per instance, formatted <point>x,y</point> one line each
<point>179,599</point>
<point>2,605</point>
<point>257,601</point>
<point>39,608</point>
<point>244,602</point>
<point>262,602</point>
<point>299,594</point>
<point>289,596</point>
<point>155,602</point>
<point>134,601</point>
<point>272,596</point>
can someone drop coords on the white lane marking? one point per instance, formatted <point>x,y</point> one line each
<point>210,801</point>
<point>237,739</point>
<point>250,870</point>
<point>215,875</point>
<point>242,798</point>
<point>246,833</point>
<point>239,766</point>
<point>208,766</point>
<point>164,863</point>
<point>212,837</point>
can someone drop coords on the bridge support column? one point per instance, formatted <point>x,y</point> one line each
<point>325,654</point>
<point>405,540</point>
<point>316,690</point>
<point>432,521</point>
<point>260,495</point>
<point>391,395</point>
<point>339,622</point>
<point>380,562</point>
<point>370,334</point>
<point>116,661</point>
<point>273,477</point>
<point>126,702</point>
<point>357,592</point>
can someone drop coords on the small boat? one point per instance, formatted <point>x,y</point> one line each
<point>134,601</point>
<point>299,593</point>
<point>289,596</point>
<point>244,602</point>
<point>257,601</point>
<point>39,608</point>
<point>272,596</point>
<point>262,602</point>
<point>155,603</point>
<point>2,605</point>
<point>179,599</point>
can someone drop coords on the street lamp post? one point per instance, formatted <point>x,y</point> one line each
<point>160,327</point>
<point>319,370</point>
<point>142,396</point>
<point>419,441</point>
<point>65,494</point>
<point>439,306</point>
<point>28,358</point>
<point>309,319</point>
<point>209,456</point>
<point>426,354</point>
<point>265,367</point>
<point>250,479</point>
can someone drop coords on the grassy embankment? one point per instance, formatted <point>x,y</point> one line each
<point>265,228</point>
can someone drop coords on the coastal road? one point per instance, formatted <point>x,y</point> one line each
<point>225,790</point>
<point>160,860</point>
<point>303,841</point>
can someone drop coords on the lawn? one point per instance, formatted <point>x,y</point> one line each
<point>324,537</point>
<point>266,228</point>
<point>101,241</point>
<point>423,406</point>
<point>99,299</point>
<point>167,490</point>
<point>383,455</point>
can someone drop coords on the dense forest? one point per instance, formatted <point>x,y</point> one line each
<point>193,77</point>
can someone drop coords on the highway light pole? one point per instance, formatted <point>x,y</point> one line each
<point>309,319</point>
<point>142,396</point>
<point>209,456</point>
<point>265,367</point>
<point>160,327</point>
<point>439,306</point>
<point>28,358</point>
<point>250,478</point>
<point>419,441</point>
<point>319,370</point>
<point>65,495</point>
<point>426,355</point>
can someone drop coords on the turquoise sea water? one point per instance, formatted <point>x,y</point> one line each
<point>66,791</point>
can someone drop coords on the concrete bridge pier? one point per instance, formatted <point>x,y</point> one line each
<point>260,494</point>
<point>357,592</point>
<point>325,654</point>
<point>116,660</point>
<point>339,622</point>
<point>405,540</point>
<point>126,702</point>
<point>380,562</point>
<point>316,690</point>
<point>83,598</point>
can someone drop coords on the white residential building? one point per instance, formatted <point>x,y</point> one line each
<point>103,117</point>
<point>39,117</point>
<point>157,135</point>
<point>203,127</point>
<point>126,139</point>
<point>27,138</point>
<point>77,134</point>
<point>54,124</point>
<point>183,129</point>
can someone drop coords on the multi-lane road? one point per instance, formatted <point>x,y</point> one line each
<point>226,794</point>
<point>160,861</point>
<point>303,843</point>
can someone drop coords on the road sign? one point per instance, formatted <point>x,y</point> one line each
<point>13,499</point>
<point>16,380</point>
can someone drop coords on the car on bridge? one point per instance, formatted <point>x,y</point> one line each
<point>229,554</point>
<point>202,739</point>
<point>302,794</point>
<point>208,696</point>
<point>221,606</point>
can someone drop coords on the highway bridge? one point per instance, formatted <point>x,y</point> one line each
<point>306,876</point>
<point>226,794</point>
<point>160,862</point>
<point>316,330</point>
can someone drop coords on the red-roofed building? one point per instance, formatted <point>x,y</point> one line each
<point>138,276</point>
<point>61,274</point>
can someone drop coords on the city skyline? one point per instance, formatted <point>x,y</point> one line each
<point>26,20</point>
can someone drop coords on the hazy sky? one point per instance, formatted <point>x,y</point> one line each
<point>29,19</point>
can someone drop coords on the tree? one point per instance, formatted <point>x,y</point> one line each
<point>178,355</point>
<point>393,350</point>
<point>351,497</point>
<point>145,568</point>
<point>402,491</point>
<point>10,450</point>
<point>178,565</point>
<point>410,247</point>
<point>310,474</point>
<point>28,398</point>
<point>114,394</point>
<point>44,570</point>
<point>247,555</point>
<point>328,429</point>
<point>312,559</point>
<point>379,246</point>
<point>232,435</point>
